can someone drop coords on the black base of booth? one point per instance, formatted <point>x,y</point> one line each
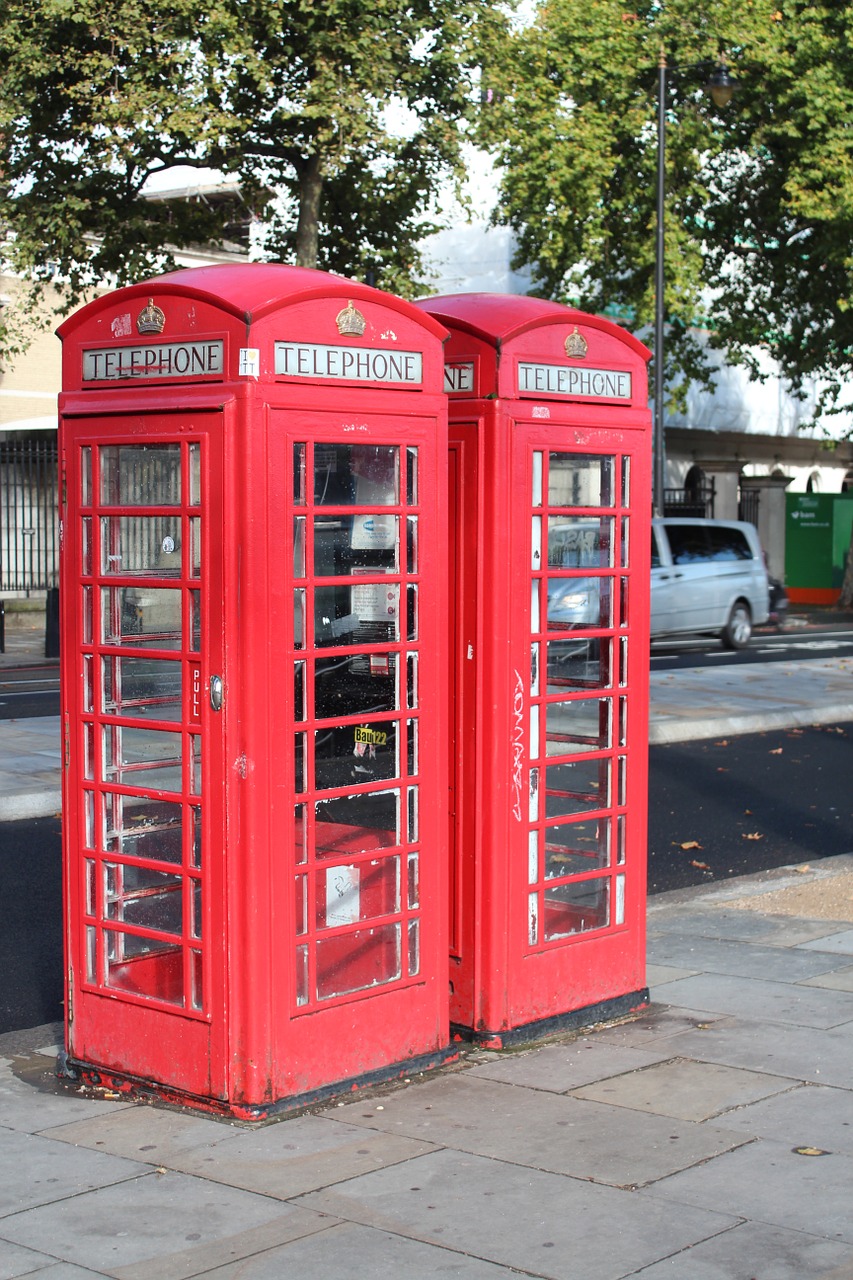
<point>85,1077</point>
<point>590,1016</point>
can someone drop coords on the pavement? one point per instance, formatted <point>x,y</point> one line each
<point>709,1137</point>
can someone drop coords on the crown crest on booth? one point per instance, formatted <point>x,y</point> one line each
<point>151,319</point>
<point>351,321</point>
<point>576,344</point>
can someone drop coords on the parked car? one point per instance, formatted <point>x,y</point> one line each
<point>708,578</point>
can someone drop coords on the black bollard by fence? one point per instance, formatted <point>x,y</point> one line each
<point>51,624</point>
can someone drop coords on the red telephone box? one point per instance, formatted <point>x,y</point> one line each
<point>253,573</point>
<point>550,450</point>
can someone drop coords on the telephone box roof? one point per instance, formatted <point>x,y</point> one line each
<point>252,290</point>
<point>497,317</point>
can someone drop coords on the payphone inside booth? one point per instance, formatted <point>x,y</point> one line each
<point>253,578</point>
<point>550,505</point>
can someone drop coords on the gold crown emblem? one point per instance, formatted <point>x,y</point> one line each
<point>576,345</point>
<point>350,321</point>
<point>151,319</point>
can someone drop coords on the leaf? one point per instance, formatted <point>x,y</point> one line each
<point>777,751</point>
<point>703,866</point>
<point>691,844</point>
<point>752,835</point>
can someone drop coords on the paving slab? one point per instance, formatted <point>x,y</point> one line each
<point>66,1271</point>
<point>542,1223</point>
<point>835,980</point>
<point>15,1260</point>
<point>546,1131</point>
<point>801,1053</point>
<point>50,1176</point>
<point>753,1251</point>
<point>836,942</point>
<point>741,959</point>
<point>657,1025</point>
<point>756,998</point>
<point>351,1252</point>
<point>686,1090</point>
<point>806,1116</point>
<point>722,922</point>
<point>160,1226</point>
<point>280,1160</point>
<point>558,1068</point>
<point>768,1182</point>
<point>30,1110</point>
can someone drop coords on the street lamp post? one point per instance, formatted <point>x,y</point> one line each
<point>721,87</point>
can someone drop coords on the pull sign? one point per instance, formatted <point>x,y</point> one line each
<point>195,693</point>
<point>216,692</point>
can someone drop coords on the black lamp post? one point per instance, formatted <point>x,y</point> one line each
<point>721,87</point>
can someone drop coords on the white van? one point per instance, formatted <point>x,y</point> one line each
<point>708,577</point>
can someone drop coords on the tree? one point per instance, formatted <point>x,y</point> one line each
<point>759,204</point>
<point>294,100</point>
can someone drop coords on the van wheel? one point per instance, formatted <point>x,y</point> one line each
<point>738,629</point>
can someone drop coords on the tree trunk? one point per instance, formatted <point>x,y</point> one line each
<point>308,225</point>
<point>845,600</point>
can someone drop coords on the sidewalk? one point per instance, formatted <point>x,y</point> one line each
<point>710,1138</point>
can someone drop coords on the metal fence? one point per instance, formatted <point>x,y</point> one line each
<point>29,519</point>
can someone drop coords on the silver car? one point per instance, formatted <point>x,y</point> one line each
<point>708,577</point>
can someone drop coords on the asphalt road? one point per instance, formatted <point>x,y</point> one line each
<point>720,808</point>
<point>728,807</point>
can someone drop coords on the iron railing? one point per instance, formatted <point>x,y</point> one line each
<point>29,518</point>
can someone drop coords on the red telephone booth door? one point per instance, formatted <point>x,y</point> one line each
<point>142,655</point>
<point>579,808</point>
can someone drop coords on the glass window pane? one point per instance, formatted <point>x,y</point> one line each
<point>144,897</point>
<point>148,967</point>
<point>576,907</point>
<point>143,828</point>
<point>353,754</point>
<point>299,475</point>
<point>354,683</point>
<point>579,542</point>
<point>577,787</point>
<point>580,480</point>
<point>364,541</point>
<point>357,824</point>
<point>141,475</point>
<point>142,688</point>
<point>137,616</point>
<point>357,960</point>
<point>578,664</point>
<point>578,602</point>
<point>149,545</point>
<point>412,476</point>
<point>142,757</point>
<point>345,615</point>
<point>350,893</point>
<point>356,475</point>
<point>195,474</point>
<point>574,847</point>
<point>582,725</point>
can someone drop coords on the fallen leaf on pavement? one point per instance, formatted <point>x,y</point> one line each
<point>723,743</point>
<point>691,844</point>
<point>777,751</point>
<point>752,835</point>
<point>703,866</point>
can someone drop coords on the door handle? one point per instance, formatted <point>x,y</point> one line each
<point>216,693</point>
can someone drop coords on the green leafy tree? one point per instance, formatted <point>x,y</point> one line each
<point>291,99</point>
<point>759,203</point>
